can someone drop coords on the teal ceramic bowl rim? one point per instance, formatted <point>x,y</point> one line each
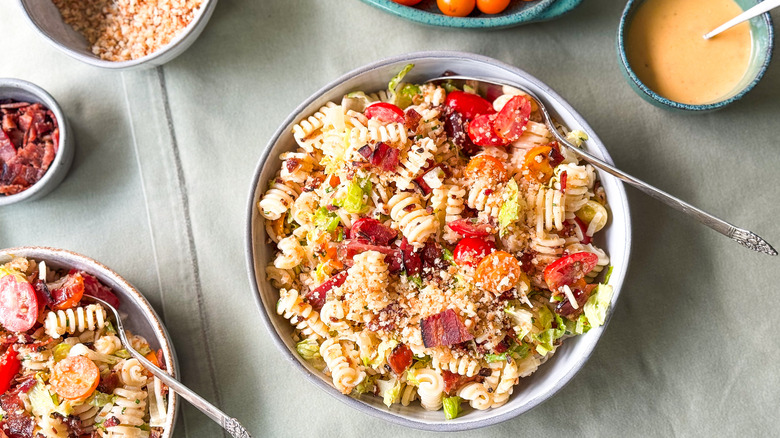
<point>497,21</point>
<point>629,72</point>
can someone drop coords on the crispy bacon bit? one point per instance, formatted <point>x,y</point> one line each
<point>454,381</point>
<point>372,230</point>
<point>444,329</point>
<point>385,157</point>
<point>111,422</point>
<point>72,422</point>
<point>108,383</point>
<point>29,139</point>
<point>412,119</point>
<point>411,259</point>
<point>366,152</point>
<point>457,129</point>
<point>564,176</point>
<point>292,164</point>
<point>433,259</point>
<point>19,426</point>
<point>316,297</point>
<point>400,358</point>
<point>94,288</point>
<point>581,294</point>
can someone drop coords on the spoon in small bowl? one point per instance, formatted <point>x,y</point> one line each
<point>231,425</point>
<point>755,11</point>
<point>744,237</point>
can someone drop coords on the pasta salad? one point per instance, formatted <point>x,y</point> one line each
<point>433,244</point>
<point>63,371</point>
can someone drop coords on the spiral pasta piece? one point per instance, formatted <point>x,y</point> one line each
<point>476,394</point>
<point>430,388</point>
<point>390,133</point>
<point>278,199</point>
<point>411,218</point>
<point>132,373</point>
<point>301,315</point>
<point>345,376</point>
<point>292,253</point>
<point>129,408</point>
<point>75,320</point>
<point>308,126</point>
<point>413,162</point>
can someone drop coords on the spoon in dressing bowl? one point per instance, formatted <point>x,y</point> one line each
<point>743,237</point>
<point>231,425</point>
<point>755,11</point>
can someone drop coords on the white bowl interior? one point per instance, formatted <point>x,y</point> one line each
<point>615,239</point>
<point>138,316</point>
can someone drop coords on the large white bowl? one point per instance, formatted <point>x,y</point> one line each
<point>555,373</point>
<point>44,16</point>
<point>138,316</point>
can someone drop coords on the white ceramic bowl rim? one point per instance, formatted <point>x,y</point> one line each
<point>620,201</point>
<point>151,316</point>
<point>47,100</point>
<point>118,65</point>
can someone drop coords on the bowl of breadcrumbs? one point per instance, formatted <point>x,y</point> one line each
<point>120,34</point>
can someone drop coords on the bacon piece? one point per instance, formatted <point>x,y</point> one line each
<point>444,329</point>
<point>564,177</point>
<point>111,422</point>
<point>400,358</point>
<point>72,422</point>
<point>412,119</point>
<point>20,426</point>
<point>108,383</point>
<point>385,157</point>
<point>366,152</point>
<point>432,257</point>
<point>94,288</point>
<point>372,230</point>
<point>411,259</point>
<point>456,127</point>
<point>316,297</point>
<point>7,149</point>
<point>454,381</point>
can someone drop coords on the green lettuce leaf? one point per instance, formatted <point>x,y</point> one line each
<point>596,307</point>
<point>510,210</point>
<point>326,220</point>
<point>451,407</point>
<point>396,81</point>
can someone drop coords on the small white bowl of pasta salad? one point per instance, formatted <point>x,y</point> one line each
<point>64,371</point>
<point>430,255</point>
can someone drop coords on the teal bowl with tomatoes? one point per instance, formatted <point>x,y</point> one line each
<point>517,13</point>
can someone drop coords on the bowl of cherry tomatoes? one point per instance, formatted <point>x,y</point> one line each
<point>478,14</point>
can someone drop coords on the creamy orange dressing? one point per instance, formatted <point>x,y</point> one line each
<point>666,50</point>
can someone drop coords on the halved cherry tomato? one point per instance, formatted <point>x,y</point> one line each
<point>499,272</point>
<point>385,112</point>
<point>75,377</point>
<point>456,8</point>
<point>568,270</point>
<point>69,294</point>
<point>469,105</point>
<point>9,366</point>
<point>471,250</point>
<point>492,6</point>
<point>407,2</point>
<point>540,161</point>
<point>510,122</point>
<point>400,358</point>
<point>469,228</point>
<point>18,304</point>
<point>486,166</point>
<point>482,134</point>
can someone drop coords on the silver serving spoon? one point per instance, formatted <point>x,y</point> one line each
<point>764,6</point>
<point>743,237</point>
<point>228,423</point>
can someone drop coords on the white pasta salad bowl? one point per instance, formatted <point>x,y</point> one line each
<point>400,348</point>
<point>77,339</point>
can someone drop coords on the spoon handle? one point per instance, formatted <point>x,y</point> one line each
<point>756,10</point>
<point>230,424</point>
<point>743,237</point>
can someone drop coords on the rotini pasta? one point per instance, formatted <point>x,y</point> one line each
<point>74,321</point>
<point>421,264</point>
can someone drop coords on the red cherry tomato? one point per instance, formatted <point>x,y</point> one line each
<point>400,358</point>
<point>471,250</point>
<point>510,122</point>
<point>456,8</point>
<point>385,112</point>
<point>481,132</point>
<point>9,366</point>
<point>469,105</point>
<point>568,270</point>
<point>407,2</point>
<point>467,228</point>
<point>69,294</point>
<point>492,6</point>
<point>18,304</point>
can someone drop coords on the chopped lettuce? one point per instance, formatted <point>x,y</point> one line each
<point>384,348</point>
<point>516,351</point>
<point>396,81</point>
<point>124,354</point>
<point>548,334</point>
<point>451,407</point>
<point>326,220</point>
<point>367,385</point>
<point>356,101</point>
<point>608,274</point>
<point>576,137</point>
<point>100,399</point>
<point>41,400</point>
<point>446,254</point>
<point>596,307</point>
<point>522,319</point>
<point>353,202</point>
<point>6,270</point>
<point>309,349</point>
<point>405,95</point>
<point>391,391</point>
<point>61,351</point>
<point>510,210</point>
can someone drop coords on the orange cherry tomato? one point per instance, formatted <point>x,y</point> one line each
<point>407,2</point>
<point>540,161</point>
<point>499,272</point>
<point>75,378</point>
<point>456,8</point>
<point>492,6</point>
<point>69,294</point>
<point>152,357</point>
<point>486,166</point>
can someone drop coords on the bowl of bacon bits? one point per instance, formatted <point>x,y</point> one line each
<point>120,34</point>
<point>425,251</point>
<point>36,146</point>
<point>63,370</point>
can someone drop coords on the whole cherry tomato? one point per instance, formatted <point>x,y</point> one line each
<point>469,105</point>
<point>492,6</point>
<point>471,250</point>
<point>385,112</point>
<point>456,8</point>
<point>407,2</point>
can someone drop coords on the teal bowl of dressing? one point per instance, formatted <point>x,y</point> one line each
<point>761,44</point>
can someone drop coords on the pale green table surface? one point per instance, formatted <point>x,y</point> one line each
<point>161,178</point>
